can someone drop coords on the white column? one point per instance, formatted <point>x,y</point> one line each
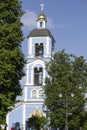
<point>25,93</point>
<point>7,121</point>
<point>30,47</point>
<point>44,76</point>
<point>32,76</point>
<point>24,116</point>
<point>47,45</point>
<point>27,74</point>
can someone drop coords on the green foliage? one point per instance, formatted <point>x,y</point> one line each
<point>67,75</point>
<point>36,122</point>
<point>85,125</point>
<point>11,56</point>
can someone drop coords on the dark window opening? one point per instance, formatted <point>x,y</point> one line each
<point>52,46</point>
<point>38,76</point>
<point>41,24</point>
<point>16,126</point>
<point>39,50</point>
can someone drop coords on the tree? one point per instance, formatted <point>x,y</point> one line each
<point>85,125</point>
<point>36,122</point>
<point>66,74</point>
<point>11,56</point>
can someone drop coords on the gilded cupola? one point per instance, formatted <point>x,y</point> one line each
<point>42,17</point>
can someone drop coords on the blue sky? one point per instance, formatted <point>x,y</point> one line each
<point>67,21</point>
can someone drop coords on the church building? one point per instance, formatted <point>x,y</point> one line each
<point>40,50</point>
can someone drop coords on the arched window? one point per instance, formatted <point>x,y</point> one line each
<point>39,50</point>
<point>17,126</point>
<point>40,95</point>
<point>38,76</point>
<point>34,94</point>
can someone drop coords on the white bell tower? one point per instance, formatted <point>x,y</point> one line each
<point>40,50</point>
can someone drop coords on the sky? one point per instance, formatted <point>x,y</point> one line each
<point>66,19</point>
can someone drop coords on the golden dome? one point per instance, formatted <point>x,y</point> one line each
<point>42,17</point>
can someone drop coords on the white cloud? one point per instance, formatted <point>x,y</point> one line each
<point>30,17</point>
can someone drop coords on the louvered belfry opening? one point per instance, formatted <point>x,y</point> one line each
<point>38,76</point>
<point>39,50</point>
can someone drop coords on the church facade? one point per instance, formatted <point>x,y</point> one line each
<point>40,51</point>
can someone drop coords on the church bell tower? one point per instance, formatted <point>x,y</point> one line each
<point>40,51</point>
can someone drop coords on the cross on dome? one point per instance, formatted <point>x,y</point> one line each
<point>42,6</point>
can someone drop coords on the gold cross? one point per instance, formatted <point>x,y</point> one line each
<point>42,6</point>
